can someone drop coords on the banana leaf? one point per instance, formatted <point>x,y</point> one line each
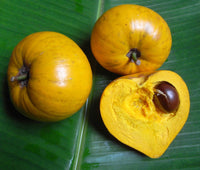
<point>82,142</point>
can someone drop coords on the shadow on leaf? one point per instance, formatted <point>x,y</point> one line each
<point>102,78</point>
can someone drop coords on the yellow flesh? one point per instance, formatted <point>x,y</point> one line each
<point>129,113</point>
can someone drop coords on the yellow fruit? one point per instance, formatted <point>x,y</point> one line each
<point>134,111</point>
<point>49,77</point>
<point>130,38</point>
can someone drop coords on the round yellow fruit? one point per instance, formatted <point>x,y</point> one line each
<point>130,38</point>
<point>49,76</point>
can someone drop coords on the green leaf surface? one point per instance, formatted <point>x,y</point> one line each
<point>82,141</point>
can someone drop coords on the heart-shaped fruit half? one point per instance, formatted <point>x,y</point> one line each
<point>146,110</point>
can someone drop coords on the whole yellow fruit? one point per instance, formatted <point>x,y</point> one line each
<point>49,76</point>
<point>129,39</point>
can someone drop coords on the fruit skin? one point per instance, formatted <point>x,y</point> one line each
<point>127,27</point>
<point>59,79</point>
<point>129,113</point>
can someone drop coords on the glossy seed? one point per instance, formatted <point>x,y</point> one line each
<point>166,97</point>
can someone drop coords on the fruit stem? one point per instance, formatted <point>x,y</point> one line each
<point>135,58</point>
<point>19,77</point>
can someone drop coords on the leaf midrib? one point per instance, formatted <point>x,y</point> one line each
<point>84,117</point>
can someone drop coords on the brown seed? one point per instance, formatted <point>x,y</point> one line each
<point>166,96</point>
